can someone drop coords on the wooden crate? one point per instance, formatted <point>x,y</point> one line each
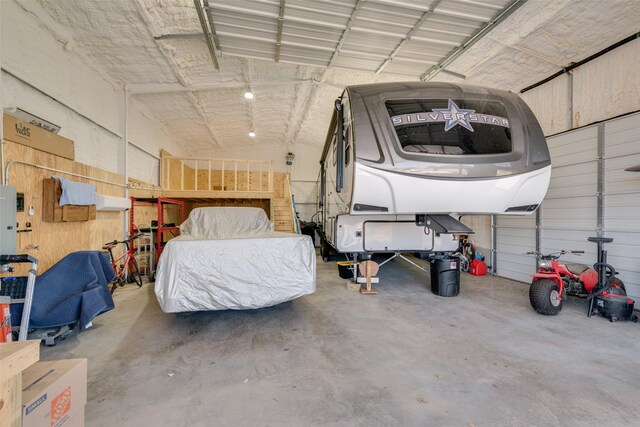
<point>53,212</point>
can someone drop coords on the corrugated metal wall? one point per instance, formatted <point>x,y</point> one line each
<point>569,213</point>
<point>622,199</point>
<point>515,235</point>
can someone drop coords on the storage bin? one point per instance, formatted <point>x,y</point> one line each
<point>345,269</point>
<point>445,276</point>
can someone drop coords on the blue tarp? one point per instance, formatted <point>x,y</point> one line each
<point>75,289</point>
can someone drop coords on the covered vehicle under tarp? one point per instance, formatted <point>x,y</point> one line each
<point>229,258</point>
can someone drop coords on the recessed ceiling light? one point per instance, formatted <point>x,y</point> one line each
<point>252,134</point>
<point>248,94</point>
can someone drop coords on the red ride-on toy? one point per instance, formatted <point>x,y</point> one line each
<point>555,280</point>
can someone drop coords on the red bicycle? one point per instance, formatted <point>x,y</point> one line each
<point>126,265</point>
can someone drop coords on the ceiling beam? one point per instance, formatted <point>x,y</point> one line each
<point>473,39</point>
<point>205,119</point>
<point>214,34</point>
<point>279,33</point>
<point>209,33</point>
<point>346,31</point>
<point>179,36</point>
<point>160,88</point>
<point>410,34</point>
<point>454,74</point>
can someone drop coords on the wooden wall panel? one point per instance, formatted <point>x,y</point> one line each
<point>55,240</point>
<point>144,213</point>
<point>147,212</point>
<point>179,175</point>
<point>189,177</point>
<point>279,183</point>
<point>175,174</point>
<point>255,183</point>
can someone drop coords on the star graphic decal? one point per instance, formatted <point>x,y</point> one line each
<point>458,116</point>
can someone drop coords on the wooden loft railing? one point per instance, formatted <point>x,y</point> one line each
<point>216,178</point>
<point>207,178</point>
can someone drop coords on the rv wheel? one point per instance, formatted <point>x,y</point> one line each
<point>544,297</point>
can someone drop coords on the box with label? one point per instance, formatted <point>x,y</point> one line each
<point>36,137</point>
<point>76,420</point>
<point>54,393</point>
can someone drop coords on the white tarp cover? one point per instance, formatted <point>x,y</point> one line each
<point>229,258</point>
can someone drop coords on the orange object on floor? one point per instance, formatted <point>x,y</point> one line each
<point>5,321</point>
<point>478,268</point>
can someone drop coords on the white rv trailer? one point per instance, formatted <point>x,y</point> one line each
<point>402,162</point>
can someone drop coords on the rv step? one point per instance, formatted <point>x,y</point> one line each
<point>446,224</point>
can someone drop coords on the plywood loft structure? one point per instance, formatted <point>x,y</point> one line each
<point>201,181</point>
<point>182,178</point>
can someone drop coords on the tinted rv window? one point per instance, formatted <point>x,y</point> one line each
<point>451,126</point>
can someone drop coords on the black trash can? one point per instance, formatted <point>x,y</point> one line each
<point>445,276</point>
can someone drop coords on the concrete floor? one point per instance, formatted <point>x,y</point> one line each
<point>404,357</point>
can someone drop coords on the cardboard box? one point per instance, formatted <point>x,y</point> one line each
<point>76,420</point>
<point>54,393</point>
<point>33,136</point>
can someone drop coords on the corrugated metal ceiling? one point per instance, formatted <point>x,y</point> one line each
<point>313,29</point>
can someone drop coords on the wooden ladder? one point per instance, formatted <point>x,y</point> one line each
<point>282,209</point>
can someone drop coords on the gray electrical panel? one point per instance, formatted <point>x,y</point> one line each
<point>7,220</point>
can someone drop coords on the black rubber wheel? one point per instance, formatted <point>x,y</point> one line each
<point>152,277</point>
<point>114,285</point>
<point>544,297</point>
<point>325,250</point>
<point>134,273</point>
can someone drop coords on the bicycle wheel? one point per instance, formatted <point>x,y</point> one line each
<point>134,273</point>
<point>116,282</point>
